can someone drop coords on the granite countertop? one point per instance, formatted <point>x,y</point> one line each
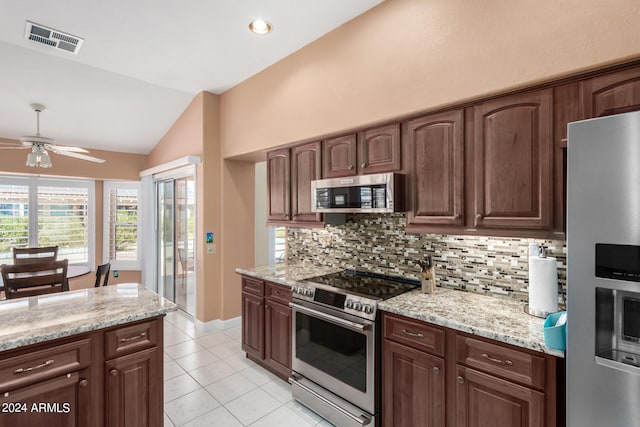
<point>287,274</point>
<point>499,319</point>
<point>25,321</point>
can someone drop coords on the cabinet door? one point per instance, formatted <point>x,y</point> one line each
<point>612,93</point>
<point>379,150</point>
<point>63,401</point>
<point>413,387</point>
<point>484,400</point>
<point>134,390</point>
<point>513,158</point>
<point>278,185</point>
<point>305,167</point>
<point>339,156</point>
<point>436,145</point>
<point>253,325</point>
<point>278,338</point>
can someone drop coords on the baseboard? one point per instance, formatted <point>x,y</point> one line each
<point>215,325</point>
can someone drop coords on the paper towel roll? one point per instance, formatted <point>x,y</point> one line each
<point>543,284</point>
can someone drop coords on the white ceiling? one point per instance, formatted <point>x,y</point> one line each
<point>142,61</point>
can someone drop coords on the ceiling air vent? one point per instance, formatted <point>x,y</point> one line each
<point>54,38</point>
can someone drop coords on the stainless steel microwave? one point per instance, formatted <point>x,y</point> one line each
<point>376,193</point>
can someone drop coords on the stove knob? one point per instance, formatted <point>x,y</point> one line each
<point>308,292</point>
<point>297,290</point>
<point>357,306</point>
<point>368,308</point>
<point>348,304</point>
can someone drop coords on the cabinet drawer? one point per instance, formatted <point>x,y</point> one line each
<point>414,333</point>
<point>278,293</point>
<point>495,359</point>
<point>254,286</point>
<point>131,338</point>
<point>39,365</point>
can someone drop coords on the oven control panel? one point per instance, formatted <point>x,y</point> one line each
<point>359,306</point>
<point>355,305</point>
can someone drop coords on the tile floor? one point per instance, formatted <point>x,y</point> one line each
<point>208,381</point>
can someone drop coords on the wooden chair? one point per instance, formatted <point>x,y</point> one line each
<point>30,255</point>
<point>25,280</point>
<point>102,271</point>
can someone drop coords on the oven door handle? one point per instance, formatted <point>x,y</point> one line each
<point>358,327</point>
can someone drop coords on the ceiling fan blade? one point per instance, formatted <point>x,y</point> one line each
<point>11,145</point>
<point>77,155</point>
<point>4,147</point>
<point>53,147</point>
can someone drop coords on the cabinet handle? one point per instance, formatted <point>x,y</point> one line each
<point>363,165</point>
<point>277,293</point>
<point>460,380</point>
<point>350,167</point>
<point>479,216</point>
<point>493,359</point>
<point>83,383</point>
<point>33,368</point>
<point>436,370</point>
<point>286,216</point>
<point>137,337</point>
<point>113,372</point>
<point>412,334</point>
<point>457,216</point>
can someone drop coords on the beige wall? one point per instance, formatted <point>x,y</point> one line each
<point>118,166</point>
<point>405,56</point>
<point>221,205</point>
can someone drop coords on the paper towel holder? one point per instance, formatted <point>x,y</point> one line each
<point>536,313</point>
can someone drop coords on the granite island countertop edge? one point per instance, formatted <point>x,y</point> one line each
<point>34,334</point>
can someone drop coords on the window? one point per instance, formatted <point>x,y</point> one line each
<point>277,244</point>
<point>121,224</point>
<point>47,212</point>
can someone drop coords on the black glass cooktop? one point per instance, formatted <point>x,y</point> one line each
<point>371,285</point>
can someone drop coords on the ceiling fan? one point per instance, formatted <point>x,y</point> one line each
<point>40,144</point>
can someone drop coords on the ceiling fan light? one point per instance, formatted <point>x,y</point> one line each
<point>32,160</point>
<point>45,161</point>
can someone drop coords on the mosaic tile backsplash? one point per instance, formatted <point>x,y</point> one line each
<point>494,266</point>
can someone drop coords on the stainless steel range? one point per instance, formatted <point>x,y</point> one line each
<point>336,344</point>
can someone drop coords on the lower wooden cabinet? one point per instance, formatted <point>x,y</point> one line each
<point>435,376</point>
<point>277,333</point>
<point>133,389</point>
<point>266,325</point>
<point>485,400</point>
<point>413,390</point>
<point>108,377</point>
<point>63,401</point>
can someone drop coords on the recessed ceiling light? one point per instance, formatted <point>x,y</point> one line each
<point>260,27</point>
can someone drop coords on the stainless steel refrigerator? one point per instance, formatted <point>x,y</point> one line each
<point>603,272</point>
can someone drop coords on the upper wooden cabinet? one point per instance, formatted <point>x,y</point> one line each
<point>289,176</point>
<point>278,185</point>
<point>436,153</point>
<point>305,167</point>
<point>339,156</point>
<point>612,93</point>
<point>513,162</point>
<point>379,150</point>
<point>374,150</point>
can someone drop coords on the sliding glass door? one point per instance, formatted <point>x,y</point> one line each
<point>176,209</point>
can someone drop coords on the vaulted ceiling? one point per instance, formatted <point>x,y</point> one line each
<point>142,61</point>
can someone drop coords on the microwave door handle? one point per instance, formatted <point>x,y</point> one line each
<point>358,327</point>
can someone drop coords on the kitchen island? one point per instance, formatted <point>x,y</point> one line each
<point>83,358</point>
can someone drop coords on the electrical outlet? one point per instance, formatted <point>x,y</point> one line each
<point>211,248</point>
